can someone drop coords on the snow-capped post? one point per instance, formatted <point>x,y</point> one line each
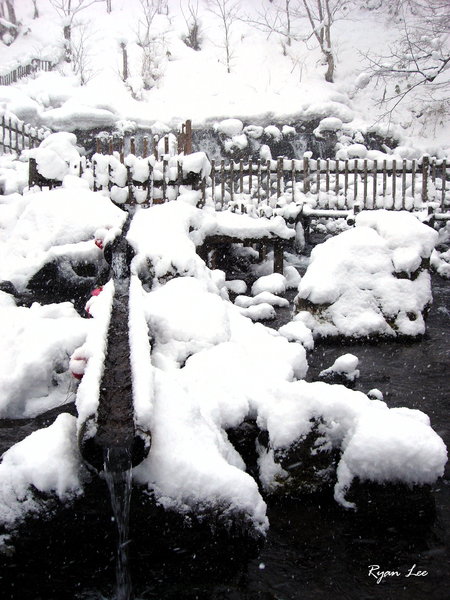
<point>425,170</point>
<point>394,182</point>
<point>305,175</point>
<point>374,183</point>
<point>365,183</point>
<point>132,146</point>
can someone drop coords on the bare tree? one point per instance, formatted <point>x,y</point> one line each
<point>11,11</point>
<point>228,12</point>
<point>153,46</point>
<point>81,49</point>
<point>321,17</point>
<point>36,10</point>
<point>68,10</point>
<point>419,60</point>
<point>193,39</point>
<point>277,17</point>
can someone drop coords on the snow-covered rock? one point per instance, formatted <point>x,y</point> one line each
<point>369,280</point>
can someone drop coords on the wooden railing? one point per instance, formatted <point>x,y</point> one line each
<point>336,183</point>
<point>36,64</point>
<point>16,136</point>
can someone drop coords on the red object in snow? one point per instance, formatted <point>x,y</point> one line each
<point>99,244</point>
<point>77,375</point>
<point>97,291</point>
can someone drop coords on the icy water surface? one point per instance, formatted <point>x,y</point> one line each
<point>314,550</point>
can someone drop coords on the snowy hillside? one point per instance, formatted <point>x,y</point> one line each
<point>272,76</point>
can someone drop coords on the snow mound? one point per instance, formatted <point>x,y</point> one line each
<point>345,366</point>
<point>274,283</point>
<point>369,280</point>
<point>35,347</point>
<point>48,460</point>
<point>40,227</point>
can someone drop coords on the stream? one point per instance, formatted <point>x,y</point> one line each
<point>314,550</point>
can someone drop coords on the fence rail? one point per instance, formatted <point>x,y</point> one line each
<point>16,136</point>
<point>36,64</point>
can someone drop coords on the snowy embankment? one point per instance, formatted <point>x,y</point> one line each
<point>370,280</point>
<point>201,368</point>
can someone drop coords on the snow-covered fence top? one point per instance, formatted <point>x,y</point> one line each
<point>17,136</point>
<point>35,64</point>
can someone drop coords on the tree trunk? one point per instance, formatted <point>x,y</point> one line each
<point>11,12</point>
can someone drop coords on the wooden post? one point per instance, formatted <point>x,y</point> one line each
<point>374,184</point>
<point>23,136</point>
<point>110,146</point>
<point>355,180</point>
<point>384,178</point>
<point>318,167</point>
<point>3,132</point>
<point>262,252</point>
<point>345,180</point>
<point>425,171</point>
<point>130,185</point>
<point>231,180</point>
<point>166,144</point>
<point>259,179</point>
<point>145,147</point>
<point>413,180</point>
<point>32,172</point>
<point>293,179</point>
<point>121,150</point>
<point>279,175</point>
<point>213,181</point>
<point>278,257</point>
<point>433,170</point>
<point>133,146</point>
<point>365,184</point>
<point>268,167</point>
<point>306,184</point>
<point>222,180</point>
<point>336,181</point>
<point>327,175</point>
<point>444,183</point>
<point>241,177</point>
<point>394,182</point>
<point>98,148</point>
<point>404,184</point>
<point>250,176</point>
<point>188,145</point>
<point>164,184</point>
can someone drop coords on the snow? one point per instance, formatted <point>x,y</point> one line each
<point>345,365</point>
<point>57,156</point>
<point>357,279</point>
<point>274,283</point>
<point>47,460</point>
<point>35,347</point>
<point>40,227</point>
<point>296,331</point>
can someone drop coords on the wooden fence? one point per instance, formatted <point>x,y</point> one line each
<point>336,183</point>
<point>36,64</point>
<point>256,186</point>
<point>146,146</point>
<point>15,135</point>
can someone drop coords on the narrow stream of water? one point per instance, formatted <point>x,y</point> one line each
<point>119,485</point>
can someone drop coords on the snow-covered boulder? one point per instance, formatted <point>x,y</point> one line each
<point>370,280</point>
<point>35,346</point>
<point>57,156</point>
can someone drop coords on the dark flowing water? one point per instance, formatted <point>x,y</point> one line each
<point>314,550</point>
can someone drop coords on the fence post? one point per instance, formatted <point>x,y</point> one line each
<point>305,174</point>
<point>188,143</point>
<point>425,170</point>
<point>32,172</point>
<point>444,183</point>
